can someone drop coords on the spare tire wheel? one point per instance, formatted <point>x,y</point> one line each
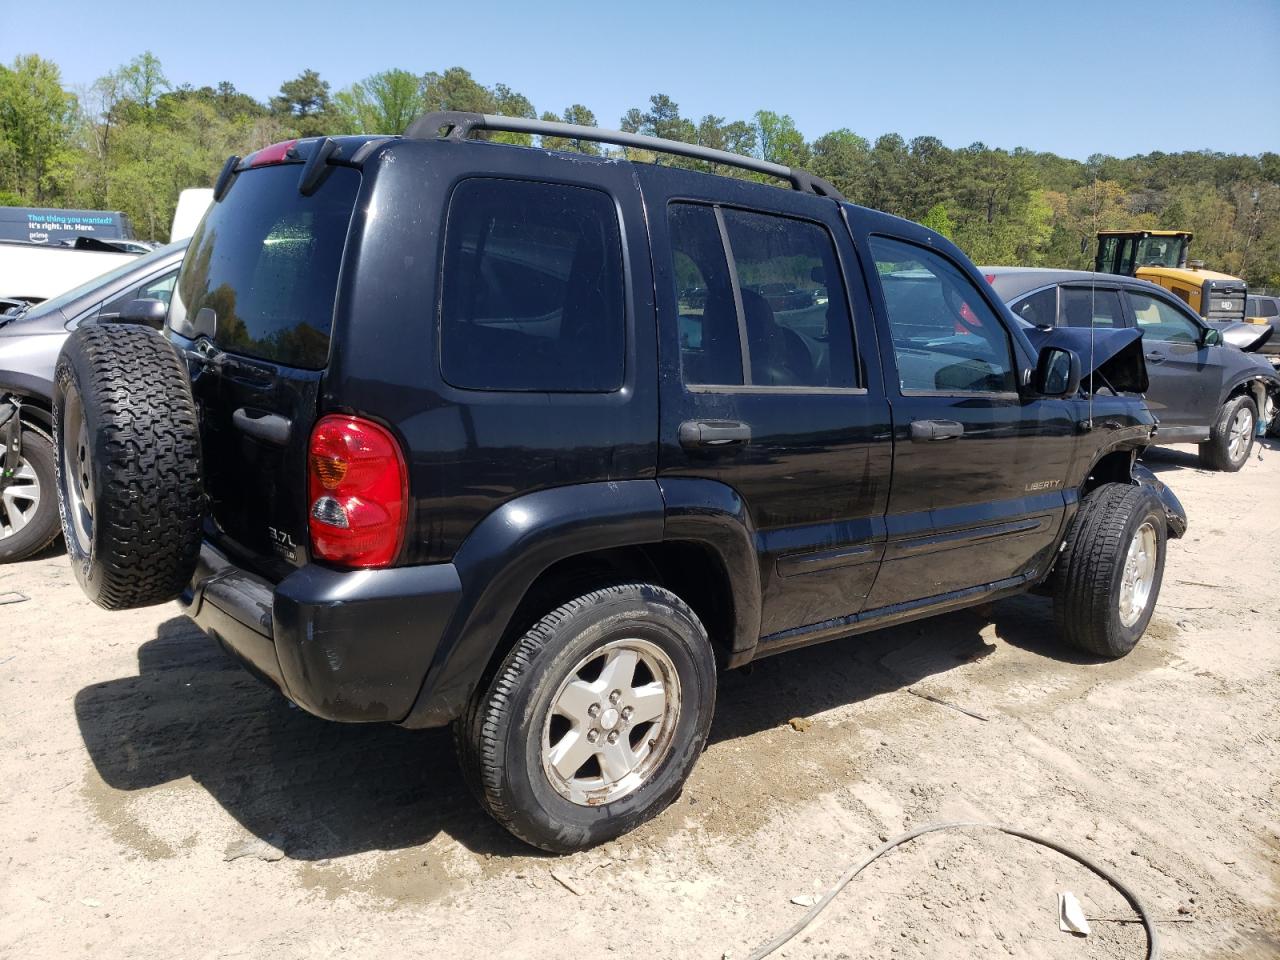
<point>128,465</point>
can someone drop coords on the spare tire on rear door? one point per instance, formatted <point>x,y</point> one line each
<point>128,465</point>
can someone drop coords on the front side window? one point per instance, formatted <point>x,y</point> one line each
<point>1162,321</point>
<point>1269,308</point>
<point>787,322</point>
<point>945,337</point>
<point>1085,307</point>
<point>532,295</point>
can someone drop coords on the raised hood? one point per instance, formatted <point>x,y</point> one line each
<point>1117,354</point>
<point>1249,337</point>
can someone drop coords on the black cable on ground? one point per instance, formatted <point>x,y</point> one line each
<point>1153,943</point>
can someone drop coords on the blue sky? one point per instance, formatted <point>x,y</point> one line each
<point>1075,78</point>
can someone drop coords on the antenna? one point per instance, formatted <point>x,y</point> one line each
<point>1093,318</point>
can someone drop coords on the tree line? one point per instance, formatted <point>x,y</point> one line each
<point>132,141</point>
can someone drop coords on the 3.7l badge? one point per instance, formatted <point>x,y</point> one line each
<point>282,543</point>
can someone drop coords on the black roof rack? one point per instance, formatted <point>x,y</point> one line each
<point>457,125</point>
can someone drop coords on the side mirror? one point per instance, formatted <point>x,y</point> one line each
<point>1213,337</point>
<point>1057,373</point>
<point>149,312</point>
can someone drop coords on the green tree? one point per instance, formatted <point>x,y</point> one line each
<point>305,103</point>
<point>385,102</point>
<point>37,121</point>
<point>938,221</point>
<point>576,114</point>
<point>778,140</point>
<point>844,158</point>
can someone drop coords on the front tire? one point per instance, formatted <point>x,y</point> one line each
<point>594,720</point>
<point>1110,571</point>
<point>1231,436</point>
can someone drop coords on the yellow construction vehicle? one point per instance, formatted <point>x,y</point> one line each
<point>1161,257</point>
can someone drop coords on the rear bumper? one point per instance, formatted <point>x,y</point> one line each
<point>348,645</point>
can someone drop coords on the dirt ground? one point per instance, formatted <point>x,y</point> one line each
<point>155,801</point>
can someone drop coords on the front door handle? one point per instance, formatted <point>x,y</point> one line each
<point>925,431</point>
<point>1155,357</point>
<point>703,434</point>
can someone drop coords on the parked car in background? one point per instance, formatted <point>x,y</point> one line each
<point>1263,309</point>
<point>137,291</point>
<point>1202,390</point>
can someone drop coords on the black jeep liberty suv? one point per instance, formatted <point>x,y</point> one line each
<point>446,430</point>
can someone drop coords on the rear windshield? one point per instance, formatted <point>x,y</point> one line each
<point>265,260</point>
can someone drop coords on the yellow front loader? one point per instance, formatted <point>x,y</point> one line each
<point>1161,257</point>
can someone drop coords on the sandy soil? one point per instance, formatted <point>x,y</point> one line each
<point>135,758</point>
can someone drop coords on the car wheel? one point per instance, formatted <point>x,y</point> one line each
<point>128,465</point>
<point>1231,437</point>
<point>1110,571</point>
<point>28,502</point>
<point>595,718</point>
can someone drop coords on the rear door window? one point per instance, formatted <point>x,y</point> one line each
<point>533,294</point>
<point>785,324</point>
<point>265,262</point>
<point>1085,307</point>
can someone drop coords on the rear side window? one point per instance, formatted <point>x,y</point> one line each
<point>265,261</point>
<point>1082,307</point>
<point>532,295</point>
<point>787,326</point>
<point>1039,309</point>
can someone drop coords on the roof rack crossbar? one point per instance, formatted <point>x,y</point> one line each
<point>458,125</point>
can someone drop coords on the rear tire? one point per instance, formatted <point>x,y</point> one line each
<point>1109,574</point>
<point>1231,436</point>
<point>29,500</point>
<point>128,465</point>
<point>565,766</point>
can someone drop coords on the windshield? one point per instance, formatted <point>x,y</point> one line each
<point>1161,251</point>
<point>103,279</point>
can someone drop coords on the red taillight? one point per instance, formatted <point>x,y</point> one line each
<point>276,153</point>
<point>991,278</point>
<point>357,491</point>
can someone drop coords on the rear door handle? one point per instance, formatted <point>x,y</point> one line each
<point>1155,357</point>
<point>268,427</point>
<point>703,434</point>
<point>925,431</point>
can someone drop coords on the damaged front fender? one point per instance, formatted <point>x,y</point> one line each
<point>1174,513</point>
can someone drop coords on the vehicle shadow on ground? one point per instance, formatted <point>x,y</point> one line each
<point>1166,459</point>
<point>804,682</point>
<point>319,790</point>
